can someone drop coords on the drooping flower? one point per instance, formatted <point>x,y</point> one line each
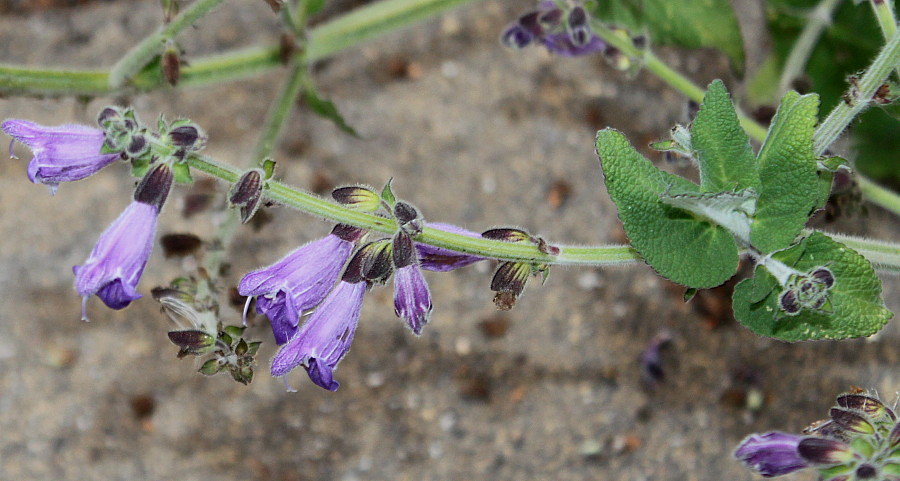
<point>771,454</point>
<point>300,280</point>
<point>114,267</point>
<point>61,154</point>
<point>412,299</point>
<point>439,259</point>
<point>325,337</point>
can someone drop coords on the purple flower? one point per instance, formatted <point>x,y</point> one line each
<point>771,454</point>
<point>299,281</point>
<point>115,265</point>
<point>61,154</point>
<point>441,260</point>
<point>561,44</point>
<point>325,337</point>
<point>412,300</point>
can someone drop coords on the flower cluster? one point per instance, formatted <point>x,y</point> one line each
<point>312,296</point>
<point>565,32</point>
<point>73,152</point>
<point>330,277</point>
<point>860,442</point>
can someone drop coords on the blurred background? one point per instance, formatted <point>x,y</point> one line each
<point>473,134</point>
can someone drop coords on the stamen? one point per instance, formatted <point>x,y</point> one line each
<point>84,316</point>
<point>246,307</point>
<point>11,154</point>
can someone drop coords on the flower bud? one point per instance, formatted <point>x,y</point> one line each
<point>823,276</point>
<point>404,253</point>
<point>108,115</point>
<point>375,261</point>
<point>408,217</point>
<point>577,23</point>
<point>851,421</point>
<point>788,303</point>
<point>137,146</point>
<point>347,232</point>
<point>509,282</point>
<point>358,198</point>
<point>507,235</point>
<point>187,137</point>
<point>171,65</point>
<point>246,193</point>
<point>193,342</point>
<point>825,451</point>
<point>154,187</point>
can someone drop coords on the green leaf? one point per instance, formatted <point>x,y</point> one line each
<point>723,150</point>
<point>313,6</point>
<point>181,173</point>
<point>680,246</point>
<point>139,167</point>
<point>825,174</point>
<point>856,306</point>
<point>387,193</point>
<point>326,108</point>
<point>688,23</point>
<point>731,210</point>
<point>788,187</point>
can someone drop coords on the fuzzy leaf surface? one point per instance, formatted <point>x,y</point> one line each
<point>679,245</point>
<point>789,185</point>
<point>723,151</point>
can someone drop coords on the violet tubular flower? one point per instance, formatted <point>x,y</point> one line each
<point>771,454</point>
<point>61,154</point>
<point>412,299</point>
<point>438,259</point>
<point>299,281</point>
<point>561,44</point>
<point>115,265</point>
<point>325,337</point>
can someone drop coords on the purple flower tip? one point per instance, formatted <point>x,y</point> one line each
<point>297,282</point>
<point>561,44</point>
<point>412,300</point>
<point>114,267</point>
<point>771,454</point>
<point>325,337</point>
<point>439,259</point>
<point>61,154</point>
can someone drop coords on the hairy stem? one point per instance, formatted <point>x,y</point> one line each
<point>884,256</point>
<point>818,19</point>
<point>144,52</point>
<point>279,110</point>
<point>319,207</point>
<point>352,29</point>
<point>860,96</point>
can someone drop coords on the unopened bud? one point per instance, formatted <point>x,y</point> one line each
<point>108,115</point>
<point>579,31</point>
<point>186,136</point>
<point>246,193</point>
<point>194,342</point>
<point>403,251</point>
<point>376,261</point>
<point>137,146</point>
<point>507,234</point>
<point>347,232</point>
<point>509,282</point>
<point>358,198</point>
<point>823,276</point>
<point>171,65</point>
<point>788,303</point>
<point>407,217</point>
<point>154,187</point>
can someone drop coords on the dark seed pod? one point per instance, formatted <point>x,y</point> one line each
<point>107,116</point>
<point>509,282</point>
<point>579,31</point>
<point>867,404</point>
<point>851,421</point>
<point>348,233</point>
<point>194,342</point>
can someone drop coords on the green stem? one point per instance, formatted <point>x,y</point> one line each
<point>144,52</point>
<point>278,112</point>
<point>860,96</point>
<point>318,207</point>
<point>884,256</point>
<point>668,75</point>
<point>879,195</point>
<point>324,40</point>
<point>887,20</point>
<point>818,19</point>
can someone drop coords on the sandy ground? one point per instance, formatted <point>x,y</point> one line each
<point>474,135</point>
